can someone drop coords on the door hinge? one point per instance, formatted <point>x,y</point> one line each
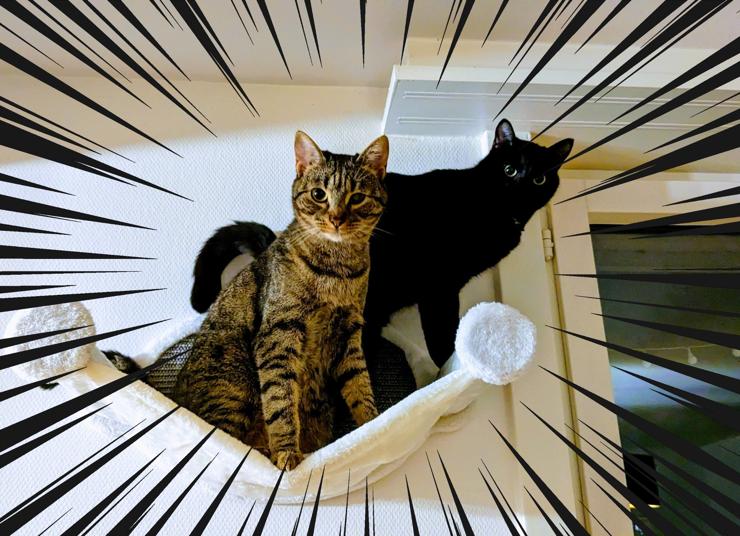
<point>548,244</point>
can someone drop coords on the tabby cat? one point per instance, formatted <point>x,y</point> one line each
<point>283,339</point>
<point>444,227</point>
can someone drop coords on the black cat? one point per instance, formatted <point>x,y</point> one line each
<point>439,230</point>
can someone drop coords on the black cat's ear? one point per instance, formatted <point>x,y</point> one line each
<point>504,133</point>
<point>375,157</point>
<point>561,149</point>
<point>307,153</point>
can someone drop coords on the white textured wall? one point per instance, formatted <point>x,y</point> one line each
<point>244,173</point>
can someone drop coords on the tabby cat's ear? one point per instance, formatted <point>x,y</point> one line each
<point>504,133</point>
<point>307,153</point>
<point>375,157</point>
<point>561,149</point>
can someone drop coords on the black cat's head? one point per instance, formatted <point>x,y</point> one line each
<point>525,171</point>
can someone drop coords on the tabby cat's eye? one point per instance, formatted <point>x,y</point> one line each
<point>356,199</point>
<point>318,195</point>
<point>509,170</point>
<point>539,181</point>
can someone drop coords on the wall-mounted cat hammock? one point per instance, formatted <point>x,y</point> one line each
<point>494,345</point>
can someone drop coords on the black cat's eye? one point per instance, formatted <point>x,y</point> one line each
<point>318,195</point>
<point>539,181</point>
<point>356,199</point>
<point>510,171</point>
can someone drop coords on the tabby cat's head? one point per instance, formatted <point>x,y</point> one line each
<point>526,171</point>
<point>339,197</point>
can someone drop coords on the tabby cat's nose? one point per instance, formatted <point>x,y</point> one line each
<point>337,220</point>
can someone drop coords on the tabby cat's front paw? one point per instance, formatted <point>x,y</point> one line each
<point>366,412</point>
<point>287,459</point>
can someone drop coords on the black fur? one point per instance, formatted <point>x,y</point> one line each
<point>218,251</point>
<point>439,230</point>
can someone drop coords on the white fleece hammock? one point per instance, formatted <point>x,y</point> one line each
<point>494,344</point>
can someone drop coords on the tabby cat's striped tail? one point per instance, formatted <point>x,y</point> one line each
<point>122,362</point>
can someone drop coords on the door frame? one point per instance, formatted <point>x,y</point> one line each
<point>526,282</point>
<point>587,364</point>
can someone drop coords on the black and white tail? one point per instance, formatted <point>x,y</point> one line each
<point>218,251</point>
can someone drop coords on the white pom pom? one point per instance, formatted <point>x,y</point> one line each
<point>52,318</point>
<point>495,342</point>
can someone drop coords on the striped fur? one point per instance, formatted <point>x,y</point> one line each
<point>282,343</point>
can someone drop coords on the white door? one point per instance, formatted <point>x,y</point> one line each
<point>527,283</point>
<point>589,363</point>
